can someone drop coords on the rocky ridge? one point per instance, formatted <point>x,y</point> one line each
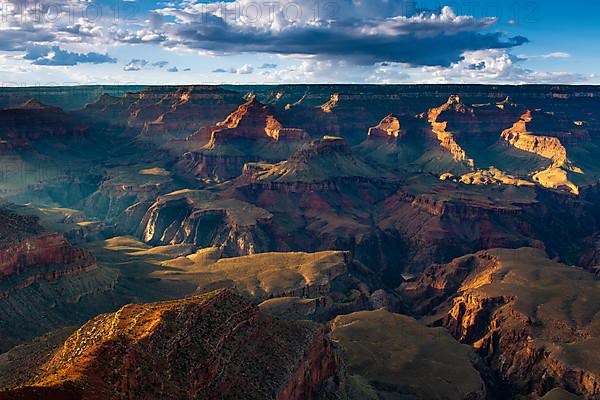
<point>447,139</point>
<point>214,346</point>
<point>532,320</point>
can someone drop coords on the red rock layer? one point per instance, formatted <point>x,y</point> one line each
<point>47,249</point>
<point>389,127</point>
<point>252,120</point>
<point>218,346</point>
<point>446,138</point>
<point>33,121</point>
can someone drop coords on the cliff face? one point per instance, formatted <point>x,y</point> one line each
<point>34,121</point>
<point>548,147</point>
<point>34,265</point>
<point>25,249</point>
<point>447,139</point>
<point>544,146</point>
<point>216,346</point>
<point>531,319</point>
<point>328,106</point>
<point>125,194</point>
<point>44,250</point>
<point>235,227</point>
<point>322,160</point>
<point>389,127</point>
<point>160,113</point>
<point>250,133</point>
<point>189,110</point>
<point>441,226</point>
<point>252,120</point>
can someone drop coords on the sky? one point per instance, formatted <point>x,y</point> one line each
<point>79,42</point>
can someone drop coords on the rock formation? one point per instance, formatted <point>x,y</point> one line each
<point>532,320</point>
<point>389,127</point>
<point>387,354</point>
<point>320,160</point>
<point>251,133</point>
<point>328,106</point>
<point>547,147</point>
<point>447,139</point>
<point>33,120</point>
<point>491,176</point>
<point>202,219</point>
<point>30,259</point>
<point>214,346</point>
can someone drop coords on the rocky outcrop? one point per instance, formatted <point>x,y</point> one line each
<point>51,249</point>
<point>125,194</point>
<point>441,281</point>
<point>33,120</point>
<point>439,228</point>
<point>529,318</point>
<point>447,139</point>
<point>389,128</point>
<point>252,120</point>
<point>26,249</point>
<point>544,146</point>
<point>161,113</point>
<point>190,109</point>
<point>325,159</point>
<point>34,264</point>
<point>491,176</point>
<point>213,346</point>
<point>547,147</point>
<point>251,133</point>
<point>235,227</point>
<point>328,106</point>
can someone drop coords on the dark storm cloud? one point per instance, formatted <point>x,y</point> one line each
<point>19,40</point>
<point>412,49</point>
<point>422,40</point>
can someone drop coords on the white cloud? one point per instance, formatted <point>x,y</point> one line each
<point>245,69</point>
<point>557,54</point>
<point>494,66</point>
<point>135,65</point>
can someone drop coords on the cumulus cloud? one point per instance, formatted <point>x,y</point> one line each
<point>138,64</point>
<point>389,73</point>
<point>382,34</point>
<point>243,70</point>
<point>318,71</point>
<point>55,56</point>
<point>135,65</point>
<point>495,66</point>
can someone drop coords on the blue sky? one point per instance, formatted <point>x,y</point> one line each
<point>299,41</point>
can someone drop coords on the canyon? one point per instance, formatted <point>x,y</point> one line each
<point>260,241</point>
